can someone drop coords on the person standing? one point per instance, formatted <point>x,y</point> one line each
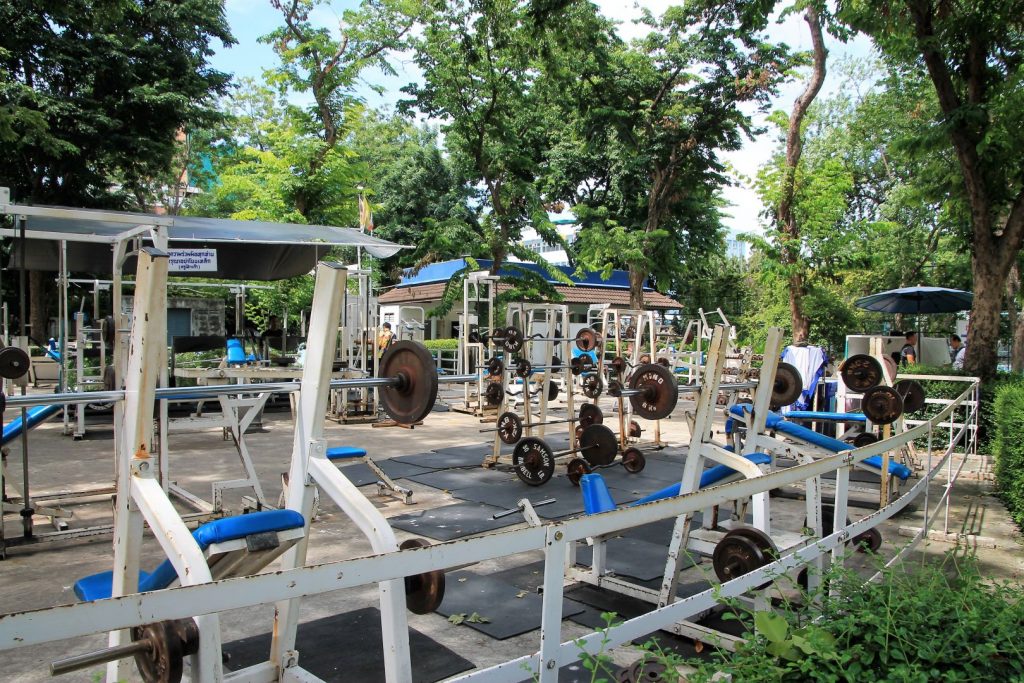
<point>958,350</point>
<point>908,354</point>
<point>384,339</point>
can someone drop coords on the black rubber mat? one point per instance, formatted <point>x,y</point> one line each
<point>360,473</point>
<point>347,647</point>
<point>462,456</point>
<point>577,673</point>
<point>454,479</point>
<point>508,610</point>
<point>568,499</point>
<point>632,557</point>
<point>453,521</point>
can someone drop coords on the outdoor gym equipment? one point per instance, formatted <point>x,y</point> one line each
<point>534,461</point>
<point>510,426</point>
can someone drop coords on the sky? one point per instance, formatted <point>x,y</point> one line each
<point>250,19</point>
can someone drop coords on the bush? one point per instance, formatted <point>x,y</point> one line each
<point>1009,448</point>
<point>934,622</point>
<point>442,344</point>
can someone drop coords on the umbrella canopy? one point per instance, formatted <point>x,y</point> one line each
<point>917,300</point>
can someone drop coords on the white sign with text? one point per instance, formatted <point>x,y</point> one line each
<point>193,261</point>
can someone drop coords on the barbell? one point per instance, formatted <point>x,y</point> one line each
<point>632,461</point>
<point>533,460</point>
<point>884,405</point>
<point>524,368</point>
<point>581,364</point>
<point>510,426</point>
<point>511,338</point>
<point>860,372</point>
<point>653,391</point>
<point>494,392</point>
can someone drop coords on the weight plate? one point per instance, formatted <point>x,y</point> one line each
<point>664,361</point>
<point>617,365</point>
<point>485,337</point>
<point>109,329</point>
<point>630,332</point>
<point>644,359</point>
<point>523,368</point>
<point>581,364</point>
<point>586,339</point>
<point>592,386</point>
<point>598,445</point>
<point>864,439</point>
<point>423,592</point>
<point>635,430</point>
<point>615,388</point>
<point>912,393</point>
<point>164,662</point>
<point>14,362</point>
<point>533,461</point>
<point>552,391</point>
<point>513,339</point>
<point>510,428</point>
<point>575,469</point>
<point>579,432</point>
<point>495,367</point>
<point>787,387</point>
<point>474,337</point>
<point>643,671</point>
<point>109,378</point>
<point>868,540</point>
<point>633,460</point>
<point>760,539</point>
<point>494,393</point>
<point>590,414</point>
<point>860,372</point>
<point>413,397</point>
<point>735,556</point>
<point>882,404</point>
<point>828,519</point>
<point>658,392</point>
<point>556,363</point>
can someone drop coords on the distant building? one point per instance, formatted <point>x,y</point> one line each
<point>736,246</point>
<point>552,254</point>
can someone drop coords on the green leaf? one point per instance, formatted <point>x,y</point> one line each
<point>771,625</point>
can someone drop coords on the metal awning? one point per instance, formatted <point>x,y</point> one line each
<point>246,250</point>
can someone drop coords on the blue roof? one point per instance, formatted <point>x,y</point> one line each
<point>443,271</point>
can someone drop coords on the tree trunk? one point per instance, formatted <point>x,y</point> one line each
<point>801,323</point>
<point>637,276</point>
<point>794,149</point>
<point>983,333</point>
<point>38,311</point>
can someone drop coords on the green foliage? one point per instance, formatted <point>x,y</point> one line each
<point>920,623</point>
<point>93,93</point>
<point>441,344</point>
<point>1009,448</point>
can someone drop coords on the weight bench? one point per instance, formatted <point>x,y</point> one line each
<point>597,498</point>
<point>386,486</point>
<point>234,546</point>
<point>827,443</point>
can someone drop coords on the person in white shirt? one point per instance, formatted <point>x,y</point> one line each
<point>957,350</point>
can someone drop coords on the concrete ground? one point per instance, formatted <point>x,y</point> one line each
<point>42,574</point>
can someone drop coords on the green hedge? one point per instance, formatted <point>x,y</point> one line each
<point>442,344</point>
<point>1009,448</point>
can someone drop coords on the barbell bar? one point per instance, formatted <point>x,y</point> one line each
<point>159,650</point>
<point>510,426</point>
<point>524,368</point>
<point>633,461</point>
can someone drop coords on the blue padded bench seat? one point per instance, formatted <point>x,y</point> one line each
<point>779,424</point>
<point>824,416</point>
<point>98,586</point>
<point>343,452</point>
<point>597,498</point>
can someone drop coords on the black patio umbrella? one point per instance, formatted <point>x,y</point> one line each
<point>917,301</point>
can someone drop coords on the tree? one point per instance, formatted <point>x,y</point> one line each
<point>639,164</point>
<point>972,54</point>
<point>483,64</point>
<point>93,94</point>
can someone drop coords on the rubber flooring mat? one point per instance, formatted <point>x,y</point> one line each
<point>453,521</point>
<point>509,611</point>
<point>632,557</point>
<point>568,499</point>
<point>459,456</point>
<point>347,647</point>
<point>360,473</point>
<point>455,479</point>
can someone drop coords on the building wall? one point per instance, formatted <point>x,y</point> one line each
<point>208,315</point>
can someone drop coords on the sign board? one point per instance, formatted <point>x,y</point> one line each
<point>193,261</point>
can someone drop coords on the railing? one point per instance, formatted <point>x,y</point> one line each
<point>58,623</point>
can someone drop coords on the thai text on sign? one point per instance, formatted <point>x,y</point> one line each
<point>193,261</point>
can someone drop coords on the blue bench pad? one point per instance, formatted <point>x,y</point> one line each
<point>822,415</point>
<point>98,586</point>
<point>36,414</point>
<point>342,452</point>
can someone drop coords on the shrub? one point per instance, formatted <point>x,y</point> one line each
<point>442,344</point>
<point>1009,448</point>
<point>931,622</point>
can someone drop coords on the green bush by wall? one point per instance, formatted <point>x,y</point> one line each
<point>1009,448</point>
<point>442,344</point>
